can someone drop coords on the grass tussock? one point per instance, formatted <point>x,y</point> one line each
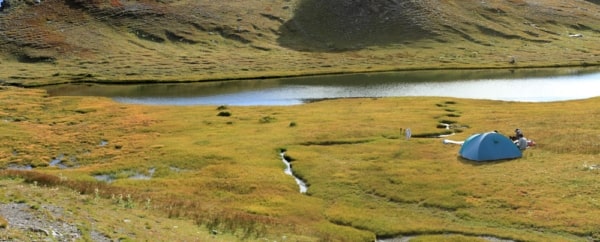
<point>3,223</point>
<point>241,224</point>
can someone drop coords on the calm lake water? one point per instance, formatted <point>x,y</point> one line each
<point>531,85</point>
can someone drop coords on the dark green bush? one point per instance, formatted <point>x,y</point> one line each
<point>224,114</point>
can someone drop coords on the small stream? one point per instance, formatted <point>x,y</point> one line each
<point>288,170</point>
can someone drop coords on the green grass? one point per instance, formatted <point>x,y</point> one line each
<point>365,180</point>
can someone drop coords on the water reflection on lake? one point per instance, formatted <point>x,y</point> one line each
<point>528,85</point>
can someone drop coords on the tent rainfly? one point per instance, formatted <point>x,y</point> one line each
<point>489,147</point>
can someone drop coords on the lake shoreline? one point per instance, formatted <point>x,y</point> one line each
<point>535,85</point>
<point>282,76</point>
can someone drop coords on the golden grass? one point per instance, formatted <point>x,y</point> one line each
<point>90,48</point>
<point>3,223</point>
<point>365,179</point>
<point>89,213</point>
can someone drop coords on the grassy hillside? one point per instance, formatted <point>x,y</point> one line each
<point>182,40</point>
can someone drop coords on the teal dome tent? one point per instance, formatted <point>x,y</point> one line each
<point>489,146</point>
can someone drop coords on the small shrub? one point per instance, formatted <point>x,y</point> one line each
<point>222,107</point>
<point>444,121</point>
<point>85,110</point>
<point>224,114</point>
<point>292,124</point>
<point>129,202</point>
<point>35,206</point>
<point>117,199</point>
<point>125,202</point>
<point>244,226</point>
<point>266,119</point>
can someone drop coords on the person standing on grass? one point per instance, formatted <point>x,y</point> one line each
<point>408,133</point>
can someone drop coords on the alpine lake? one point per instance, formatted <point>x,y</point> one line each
<point>521,85</point>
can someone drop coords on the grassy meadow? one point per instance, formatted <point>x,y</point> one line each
<point>209,173</point>
<point>224,175</point>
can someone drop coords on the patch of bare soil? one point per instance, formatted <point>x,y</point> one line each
<point>42,223</point>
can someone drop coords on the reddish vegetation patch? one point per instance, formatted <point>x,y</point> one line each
<point>116,3</point>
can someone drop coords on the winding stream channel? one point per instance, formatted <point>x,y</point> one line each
<point>288,170</point>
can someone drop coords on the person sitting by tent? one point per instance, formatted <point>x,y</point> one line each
<point>522,142</point>
<point>518,134</point>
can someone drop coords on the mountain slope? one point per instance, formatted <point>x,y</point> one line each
<point>356,24</point>
<point>360,23</point>
<point>185,40</point>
